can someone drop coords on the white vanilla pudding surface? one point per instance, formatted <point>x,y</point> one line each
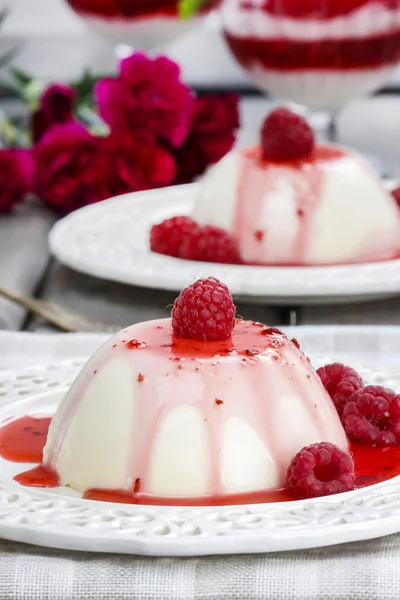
<point>330,208</point>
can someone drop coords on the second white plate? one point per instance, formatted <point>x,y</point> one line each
<point>110,240</point>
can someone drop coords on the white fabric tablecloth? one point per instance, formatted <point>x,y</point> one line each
<point>362,571</point>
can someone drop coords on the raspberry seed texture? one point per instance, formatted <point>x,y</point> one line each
<point>286,136</point>
<point>372,416</point>
<point>340,382</point>
<point>204,311</point>
<point>167,237</point>
<point>210,244</point>
<point>320,470</point>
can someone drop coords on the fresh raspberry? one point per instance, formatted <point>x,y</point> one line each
<point>372,416</point>
<point>167,237</point>
<point>396,195</point>
<point>340,382</point>
<point>210,244</point>
<point>286,136</point>
<point>320,470</point>
<point>204,311</point>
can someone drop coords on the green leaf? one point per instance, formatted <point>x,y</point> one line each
<point>8,89</point>
<point>187,8</point>
<point>10,53</point>
<point>92,120</point>
<point>4,14</point>
<point>21,78</point>
<point>84,87</point>
<point>32,92</point>
<point>7,57</point>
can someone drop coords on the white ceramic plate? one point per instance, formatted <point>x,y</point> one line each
<point>61,519</point>
<point>110,240</point>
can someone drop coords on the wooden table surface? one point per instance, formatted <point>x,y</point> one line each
<point>372,126</point>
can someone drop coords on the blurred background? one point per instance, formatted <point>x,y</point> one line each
<point>56,43</point>
<point>53,44</point>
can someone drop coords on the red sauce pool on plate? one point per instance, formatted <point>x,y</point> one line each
<point>23,440</point>
<point>40,476</point>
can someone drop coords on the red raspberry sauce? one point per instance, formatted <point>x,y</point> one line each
<point>320,9</point>
<point>23,440</point>
<point>129,9</point>
<point>347,54</point>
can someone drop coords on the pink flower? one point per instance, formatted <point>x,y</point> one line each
<point>56,106</point>
<point>211,136</point>
<point>16,175</point>
<point>148,99</point>
<point>63,157</point>
<point>123,165</point>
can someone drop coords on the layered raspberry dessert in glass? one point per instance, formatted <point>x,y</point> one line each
<point>142,24</point>
<point>287,201</point>
<point>320,53</point>
<point>205,408</point>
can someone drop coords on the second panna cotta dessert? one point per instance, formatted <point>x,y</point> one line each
<point>287,201</point>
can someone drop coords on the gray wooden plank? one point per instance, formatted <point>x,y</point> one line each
<point>24,256</point>
<point>113,303</point>
<point>379,312</point>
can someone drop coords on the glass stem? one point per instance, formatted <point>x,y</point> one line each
<point>332,130</point>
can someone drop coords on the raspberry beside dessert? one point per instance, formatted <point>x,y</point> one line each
<point>167,237</point>
<point>320,470</point>
<point>396,195</point>
<point>286,136</point>
<point>182,237</point>
<point>340,382</point>
<point>204,311</point>
<point>372,416</point>
<point>210,244</point>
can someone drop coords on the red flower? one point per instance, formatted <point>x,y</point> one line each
<point>16,174</point>
<point>63,157</point>
<point>148,99</point>
<point>57,103</point>
<point>56,106</point>
<point>123,165</point>
<point>212,135</point>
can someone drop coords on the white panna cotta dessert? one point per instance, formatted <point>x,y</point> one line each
<point>160,416</point>
<point>328,207</point>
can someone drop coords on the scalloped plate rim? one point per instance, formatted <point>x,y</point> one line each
<point>340,282</point>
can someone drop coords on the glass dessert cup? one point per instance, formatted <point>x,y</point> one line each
<point>140,24</point>
<point>318,53</point>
